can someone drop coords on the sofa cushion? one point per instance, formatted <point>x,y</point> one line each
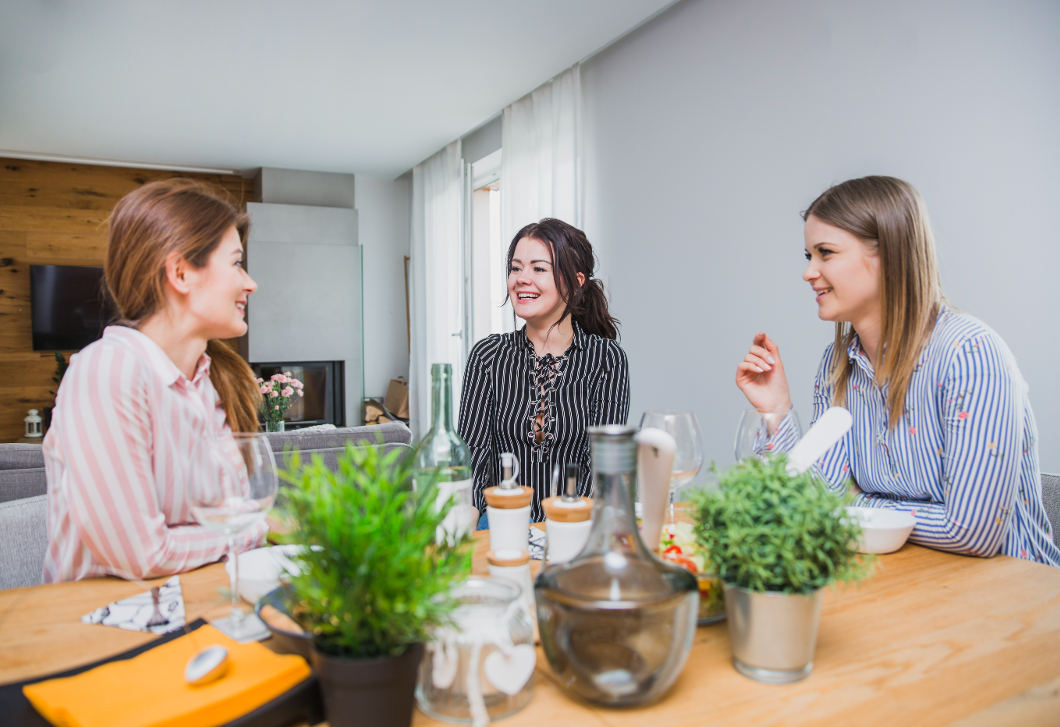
<point>21,456</point>
<point>23,541</point>
<point>392,432</point>
<point>330,455</point>
<point>20,484</point>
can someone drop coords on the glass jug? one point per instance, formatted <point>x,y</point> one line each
<point>617,622</point>
<point>480,667</point>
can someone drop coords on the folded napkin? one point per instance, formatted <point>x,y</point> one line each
<point>134,613</point>
<point>149,690</point>
<point>536,544</point>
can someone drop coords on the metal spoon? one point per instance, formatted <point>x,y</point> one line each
<point>209,664</point>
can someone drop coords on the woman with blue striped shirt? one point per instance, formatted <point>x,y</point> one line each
<point>943,428</point>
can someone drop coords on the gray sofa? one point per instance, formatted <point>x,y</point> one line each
<point>24,487</point>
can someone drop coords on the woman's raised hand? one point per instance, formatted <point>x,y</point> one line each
<point>761,377</point>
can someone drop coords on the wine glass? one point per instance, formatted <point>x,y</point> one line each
<point>240,489</point>
<point>753,431</point>
<point>684,428</point>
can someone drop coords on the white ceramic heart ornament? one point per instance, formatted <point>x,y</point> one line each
<point>510,672</point>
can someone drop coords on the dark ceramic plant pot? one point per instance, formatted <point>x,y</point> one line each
<point>368,692</point>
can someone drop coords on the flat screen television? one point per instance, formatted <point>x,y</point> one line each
<point>69,306</point>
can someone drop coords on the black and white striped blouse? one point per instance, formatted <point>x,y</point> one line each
<point>507,386</point>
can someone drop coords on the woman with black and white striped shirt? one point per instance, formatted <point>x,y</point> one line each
<point>534,392</point>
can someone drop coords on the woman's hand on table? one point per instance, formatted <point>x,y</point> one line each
<point>761,378</point>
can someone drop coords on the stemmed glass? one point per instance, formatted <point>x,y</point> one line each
<point>684,428</point>
<point>240,487</point>
<point>753,431</point>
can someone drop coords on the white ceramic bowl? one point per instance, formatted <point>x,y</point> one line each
<point>882,531</point>
<point>260,569</point>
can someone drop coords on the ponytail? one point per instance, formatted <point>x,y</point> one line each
<point>572,254</point>
<point>236,387</point>
<point>590,311</point>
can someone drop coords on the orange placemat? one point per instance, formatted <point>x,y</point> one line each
<point>149,690</point>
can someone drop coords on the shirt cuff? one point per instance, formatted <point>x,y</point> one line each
<point>785,436</point>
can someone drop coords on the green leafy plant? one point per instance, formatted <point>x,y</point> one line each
<point>768,531</point>
<point>374,580</point>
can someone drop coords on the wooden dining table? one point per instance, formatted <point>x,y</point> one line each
<point>930,639</point>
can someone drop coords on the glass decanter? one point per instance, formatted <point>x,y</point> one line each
<point>616,622</point>
<point>444,457</point>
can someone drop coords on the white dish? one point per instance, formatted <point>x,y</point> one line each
<point>260,569</point>
<point>882,531</point>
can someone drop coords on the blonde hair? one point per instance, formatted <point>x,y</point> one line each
<point>888,215</point>
<point>188,218</point>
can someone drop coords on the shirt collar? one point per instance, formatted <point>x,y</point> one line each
<point>156,358</point>
<point>578,343</point>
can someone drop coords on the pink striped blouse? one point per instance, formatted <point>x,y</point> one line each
<point>127,455</point>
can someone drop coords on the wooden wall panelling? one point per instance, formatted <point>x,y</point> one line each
<point>55,213</point>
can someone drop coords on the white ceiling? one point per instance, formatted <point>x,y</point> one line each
<point>364,87</point>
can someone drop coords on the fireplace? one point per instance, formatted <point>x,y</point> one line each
<point>324,399</point>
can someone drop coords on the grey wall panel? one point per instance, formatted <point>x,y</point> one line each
<point>296,187</point>
<point>308,303</point>
<point>303,224</point>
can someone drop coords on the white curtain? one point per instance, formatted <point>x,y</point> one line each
<point>541,170</point>
<point>436,284</point>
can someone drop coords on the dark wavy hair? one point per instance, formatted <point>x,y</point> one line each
<point>572,254</point>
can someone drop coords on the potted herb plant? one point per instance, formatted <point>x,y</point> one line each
<point>373,583</point>
<point>776,541</point>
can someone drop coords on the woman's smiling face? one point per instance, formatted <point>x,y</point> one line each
<point>218,295</point>
<point>531,283</point>
<point>843,272</point>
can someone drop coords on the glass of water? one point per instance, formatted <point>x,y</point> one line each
<point>240,487</point>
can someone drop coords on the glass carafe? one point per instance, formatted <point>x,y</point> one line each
<point>444,457</point>
<point>616,622</point>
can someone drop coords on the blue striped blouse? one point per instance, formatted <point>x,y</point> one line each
<point>964,458</point>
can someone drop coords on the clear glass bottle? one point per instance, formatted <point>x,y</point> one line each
<point>444,457</point>
<point>616,622</point>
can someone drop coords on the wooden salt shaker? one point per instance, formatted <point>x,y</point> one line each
<point>568,520</point>
<point>508,509</point>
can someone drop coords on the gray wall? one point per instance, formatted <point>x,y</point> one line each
<point>383,212</point>
<point>711,127</point>
<point>307,264</point>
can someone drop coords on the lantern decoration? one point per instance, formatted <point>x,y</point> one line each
<point>34,424</point>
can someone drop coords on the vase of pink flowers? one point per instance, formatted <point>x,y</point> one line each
<point>277,392</point>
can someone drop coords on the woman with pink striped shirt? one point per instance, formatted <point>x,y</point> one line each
<point>140,410</point>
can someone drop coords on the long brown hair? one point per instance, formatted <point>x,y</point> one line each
<point>572,254</point>
<point>148,225</point>
<point>888,215</point>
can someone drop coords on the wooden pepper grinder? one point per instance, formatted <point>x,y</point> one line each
<point>508,509</point>
<point>568,520</point>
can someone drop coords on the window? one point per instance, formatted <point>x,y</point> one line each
<point>486,259</point>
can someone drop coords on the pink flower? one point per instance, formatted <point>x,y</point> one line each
<point>276,407</point>
<point>914,513</point>
<point>963,415</point>
<point>846,468</point>
<point>300,392</point>
<point>287,391</point>
<point>286,373</point>
<point>259,381</point>
<point>264,389</point>
<point>912,430</point>
<point>297,383</point>
<point>274,394</point>
<point>276,377</point>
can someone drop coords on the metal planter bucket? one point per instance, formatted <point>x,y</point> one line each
<point>773,634</point>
